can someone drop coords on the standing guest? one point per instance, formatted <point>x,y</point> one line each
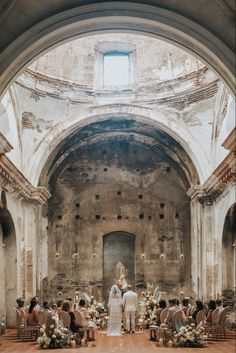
<point>115,312</point>
<point>130,307</point>
<point>162,306</point>
<point>157,322</point>
<point>32,316</point>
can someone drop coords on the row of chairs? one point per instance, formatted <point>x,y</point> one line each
<point>26,332</point>
<point>79,320</point>
<point>216,329</point>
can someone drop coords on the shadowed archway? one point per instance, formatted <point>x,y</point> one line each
<point>8,270</point>
<point>118,259</point>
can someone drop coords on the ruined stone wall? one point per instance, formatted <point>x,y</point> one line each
<point>118,186</point>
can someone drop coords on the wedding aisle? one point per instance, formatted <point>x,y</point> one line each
<point>135,343</point>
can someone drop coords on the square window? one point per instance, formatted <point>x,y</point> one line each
<point>116,69</point>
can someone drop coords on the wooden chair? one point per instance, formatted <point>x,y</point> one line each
<point>27,332</point>
<point>78,317</point>
<point>65,317</point>
<point>158,334</point>
<point>163,315</point>
<point>19,322</point>
<point>79,320</point>
<point>188,311</point>
<point>222,320</point>
<point>177,319</point>
<point>213,328</point>
<point>42,318</point>
<point>200,317</point>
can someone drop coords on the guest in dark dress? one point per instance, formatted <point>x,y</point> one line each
<point>73,326</point>
<point>199,307</point>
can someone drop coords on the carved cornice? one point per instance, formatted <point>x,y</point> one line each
<point>230,142</point>
<point>222,177</point>
<point>15,183</point>
<point>5,146</point>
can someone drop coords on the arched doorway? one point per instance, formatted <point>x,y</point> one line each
<point>118,258</point>
<point>8,270</point>
<point>229,253</point>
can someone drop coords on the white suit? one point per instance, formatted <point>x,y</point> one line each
<point>130,306</point>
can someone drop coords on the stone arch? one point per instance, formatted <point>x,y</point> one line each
<point>229,250</point>
<point>116,16</point>
<point>118,252</point>
<point>57,135</point>
<point>8,270</point>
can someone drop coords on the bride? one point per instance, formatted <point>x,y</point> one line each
<point>115,311</point>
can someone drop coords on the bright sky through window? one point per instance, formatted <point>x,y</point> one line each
<point>116,69</point>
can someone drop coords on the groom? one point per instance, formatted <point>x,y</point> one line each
<point>130,307</point>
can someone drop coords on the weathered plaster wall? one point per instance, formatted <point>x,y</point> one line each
<point>118,186</point>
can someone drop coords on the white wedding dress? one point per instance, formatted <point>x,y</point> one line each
<point>115,312</point>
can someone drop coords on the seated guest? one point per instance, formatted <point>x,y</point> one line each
<point>47,310</point>
<point>73,326</point>
<point>172,309</point>
<point>54,309</point>
<point>85,315</point>
<point>199,307</point>
<point>219,304</point>
<point>185,305</point>
<point>32,315</point>
<point>18,301</point>
<point>59,304</point>
<point>21,310</point>
<point>211,307</point>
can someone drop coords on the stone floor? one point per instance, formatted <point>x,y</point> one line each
<point>135,343</point>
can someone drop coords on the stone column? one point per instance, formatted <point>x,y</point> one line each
<point>202,243</point>
<point>208,250</point>
<point>196,249</point>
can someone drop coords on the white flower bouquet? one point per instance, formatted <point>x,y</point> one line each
<point>53,338</point>
<point>189,336</point>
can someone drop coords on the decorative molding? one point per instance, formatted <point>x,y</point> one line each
<point>223,176</point>
<point>230,142</point>
<point>5,146</point>
<point>15,183</point>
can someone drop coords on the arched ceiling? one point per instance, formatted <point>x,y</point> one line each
<point>124,136</point>
<point>31,28</point>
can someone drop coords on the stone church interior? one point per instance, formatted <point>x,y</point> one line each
<point>117,162</point>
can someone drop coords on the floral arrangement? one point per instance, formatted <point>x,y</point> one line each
<point>53,337</point>
<point>98,315</point>
<point>148,306</point>
<point>189,336</point>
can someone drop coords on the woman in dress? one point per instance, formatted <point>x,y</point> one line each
<point>32,316</point>
<point>115,305</point>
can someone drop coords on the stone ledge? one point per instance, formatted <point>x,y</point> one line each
<point>15,183</point>
<point>5,146</point>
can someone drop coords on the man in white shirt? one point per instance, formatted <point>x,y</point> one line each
<point>130,307</point>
